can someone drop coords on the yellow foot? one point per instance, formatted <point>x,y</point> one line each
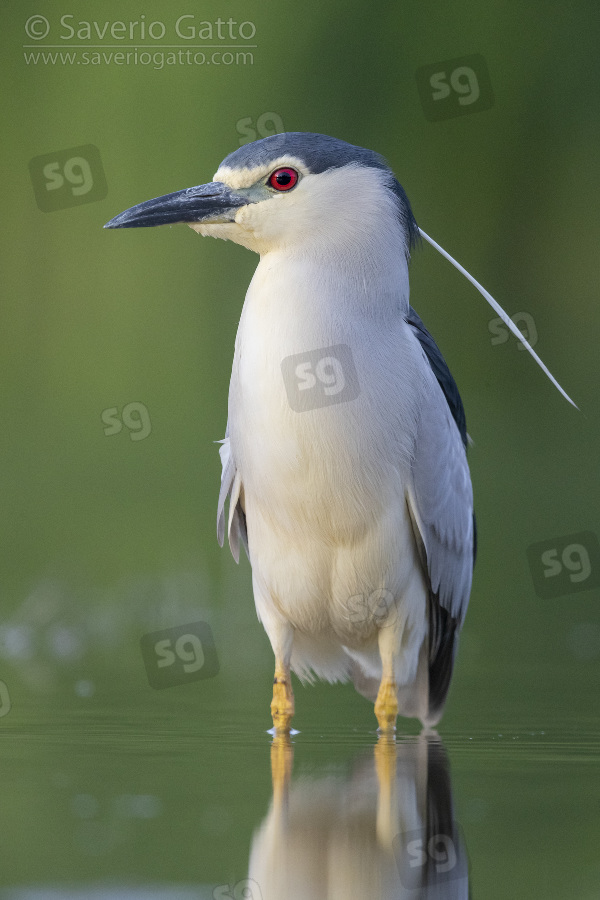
<point>282,705</point>
<point>386,705</point>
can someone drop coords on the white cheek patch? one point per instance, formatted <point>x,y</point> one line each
<point>251,217</point>
<point>243,178</point>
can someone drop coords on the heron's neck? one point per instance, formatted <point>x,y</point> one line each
<point>368,278</point>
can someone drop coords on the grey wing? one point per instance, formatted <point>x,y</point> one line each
<point>440,502</point>
<point>231,487</point>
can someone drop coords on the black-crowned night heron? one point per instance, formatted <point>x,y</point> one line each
<point>344,459</point>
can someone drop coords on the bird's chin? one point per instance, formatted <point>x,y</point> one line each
<point>227,231</point>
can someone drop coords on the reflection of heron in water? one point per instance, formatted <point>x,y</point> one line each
<point>385,831</point>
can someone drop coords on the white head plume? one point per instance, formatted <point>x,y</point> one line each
<point>496,306</point>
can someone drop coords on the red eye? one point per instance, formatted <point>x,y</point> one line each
<point>283,179</point>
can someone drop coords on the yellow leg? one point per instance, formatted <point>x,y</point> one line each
<point>386,705</point>
<point>282,705</point>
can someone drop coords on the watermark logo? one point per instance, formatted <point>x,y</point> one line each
<point>37,28</point>
<point>565,565</point>
<point>377,608</point>
<point>81,42</point>
<point>524,322</point>
<point>68,178</point>
<point>455,87</point>
<point>320,378</point>
<point>179,655</point>
<point>187,27</point>
<point>5,703</point>
<point>267,125</point>
<point>429,859</point>
<point>246,889</point>
<point>134,416</point>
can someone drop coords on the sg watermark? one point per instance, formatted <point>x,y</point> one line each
<point>266,125</point>
<point>429,859</point>
<point>565,565</point>
<point>378,608</point>
<point>524,322</point>
<point>5,703</point>
<point>68,178</point>
<point>455,87</point>
<point>246,889</point>
<point>320,378</point>
<point>179,655</point>
<point>134,416</point>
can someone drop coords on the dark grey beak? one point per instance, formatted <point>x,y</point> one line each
<point>210,203</point>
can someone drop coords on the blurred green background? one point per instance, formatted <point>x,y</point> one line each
<point>108,536</point>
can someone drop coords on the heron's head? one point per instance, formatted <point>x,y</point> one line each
<point>288,191</point>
